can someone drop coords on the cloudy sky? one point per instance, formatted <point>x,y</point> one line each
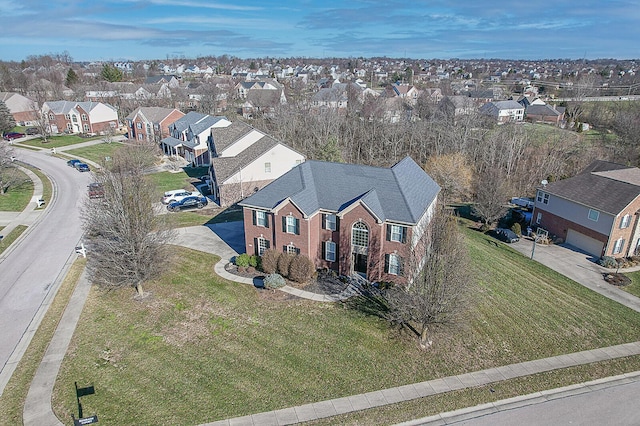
<point>420,29</point>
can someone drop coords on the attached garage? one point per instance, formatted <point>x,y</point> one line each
<point>584,242</point>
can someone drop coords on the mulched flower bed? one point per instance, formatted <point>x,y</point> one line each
<point>619,280</point>
<point>323,283</point>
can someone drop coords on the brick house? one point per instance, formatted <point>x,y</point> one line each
<point>151,123</point>
<point>597,211</point>
<point>23,109</point>
<point>80,117</point>
<point>346,217</point>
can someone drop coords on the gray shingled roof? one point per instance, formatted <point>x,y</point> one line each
<point>171,141</point>
<point>223,137</point>
<point>609,190</point>
<point>401,193</point>
<point>151,114</point>
<point>225,167</point>
<point>545,110</point>
<point>64,107</point>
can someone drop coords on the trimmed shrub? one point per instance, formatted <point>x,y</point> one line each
<point>517,229</point>
<point>242,260</point>
<point>301,269</point>
<point>253,261</point>
<point>608,262</point>
<point>273,281</point>
<point>283,263</point>
<point>269,261</point>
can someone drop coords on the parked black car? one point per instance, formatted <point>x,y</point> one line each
<point>188,202</point>
<point>82,167</point>
<point>32,131</point>
<point>506,235</point>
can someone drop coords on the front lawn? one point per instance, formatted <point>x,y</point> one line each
<point>166,181</point>
<point>58,141</point>
<point>634,287</point>
<point>203,349</point>
<point>96,153</point>
<point>18,195</point>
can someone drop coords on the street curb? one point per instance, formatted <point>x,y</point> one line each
<point>481,410</point>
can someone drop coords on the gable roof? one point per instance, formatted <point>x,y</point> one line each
<point>64,107</point>
<point>223,137</point>
<point>196,121</point>
<point>607,187</point>
<point>152,114</point>
<point>548,110</point>
<point>225,167</point>
<point>401,193</point>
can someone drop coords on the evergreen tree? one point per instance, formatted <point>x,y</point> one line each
<point>72,77</point>
<point>7,122</point>
<point>111,73</point>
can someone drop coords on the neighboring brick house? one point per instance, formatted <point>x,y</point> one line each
<point>244,159</point>
<point>190,135</point>
<point>151,123</point>
<point>503,111</point>
<point>80,117</point>
<point>23,109</point>
<point>544,114</point>
<point>346,217</point>
<point>597,211</point>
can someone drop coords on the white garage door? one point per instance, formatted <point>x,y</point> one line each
<point>583,242</point>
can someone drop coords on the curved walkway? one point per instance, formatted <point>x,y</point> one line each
<point>37,410</point>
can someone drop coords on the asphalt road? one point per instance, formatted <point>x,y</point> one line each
<point>617,405</point>
<point>31,271</point>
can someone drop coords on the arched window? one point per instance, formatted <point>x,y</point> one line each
<point>360,235</point>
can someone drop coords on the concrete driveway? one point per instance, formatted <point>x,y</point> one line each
<point>579,266</point>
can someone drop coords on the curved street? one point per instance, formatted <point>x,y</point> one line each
<point>32,268</point>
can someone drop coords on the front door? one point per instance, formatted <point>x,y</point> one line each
<point>360,264</point>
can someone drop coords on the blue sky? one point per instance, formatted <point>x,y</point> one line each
<point>157,29</point>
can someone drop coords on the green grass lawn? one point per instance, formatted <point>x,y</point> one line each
<point>96,153</point>
<point>57,141</point>
<point>202,349</point>
<point>18,196</point>
<point>166,181</point>
<point>634,287</point>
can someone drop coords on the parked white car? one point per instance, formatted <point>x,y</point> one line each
<point>177,195</point>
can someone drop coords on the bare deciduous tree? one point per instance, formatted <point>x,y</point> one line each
<point>8,174</point>
<point>491,196</point>
<point>127,240</point>
<point>453,174</point>
<point>437,294</point>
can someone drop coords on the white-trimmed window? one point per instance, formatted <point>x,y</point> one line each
<point>67,116</point>
<point>330,221</point>
<point>330,251</point>
<point>290,225</point>
<point>593,215</point>
<point>538,218</point>
<point>69,126</point>
<point>267,167</point>
<point>85,127</point>
<point>543,197</point>
<point>261,218</point>
<point>291,249</point>
<point>396,233</point>
<point>393,264</point>
<point>618,246</point>
<point>360,235</point>
<point>139,125</point>
<point>262,245</point>
<point>52,117</point>
<point>84,117</point>
<point>626,220</point>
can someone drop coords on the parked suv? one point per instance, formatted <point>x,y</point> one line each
<point>82,167</point>
<point>177,195</point>
<point>506,235</point>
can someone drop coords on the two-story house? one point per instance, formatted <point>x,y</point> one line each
<point>151,123</point>
<point>23,109</point>
<point>80,117</point>
<point>597,211</point>
<point>503,111</point>
<point>346,217</point>
<point>190,137</point>
<point>244,159</point>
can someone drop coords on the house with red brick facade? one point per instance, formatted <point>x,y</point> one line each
<point>346,217</point>
<point>23,109</point>
<point>80,117</point>
<point>151,123</point>
<point>596,211</point>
